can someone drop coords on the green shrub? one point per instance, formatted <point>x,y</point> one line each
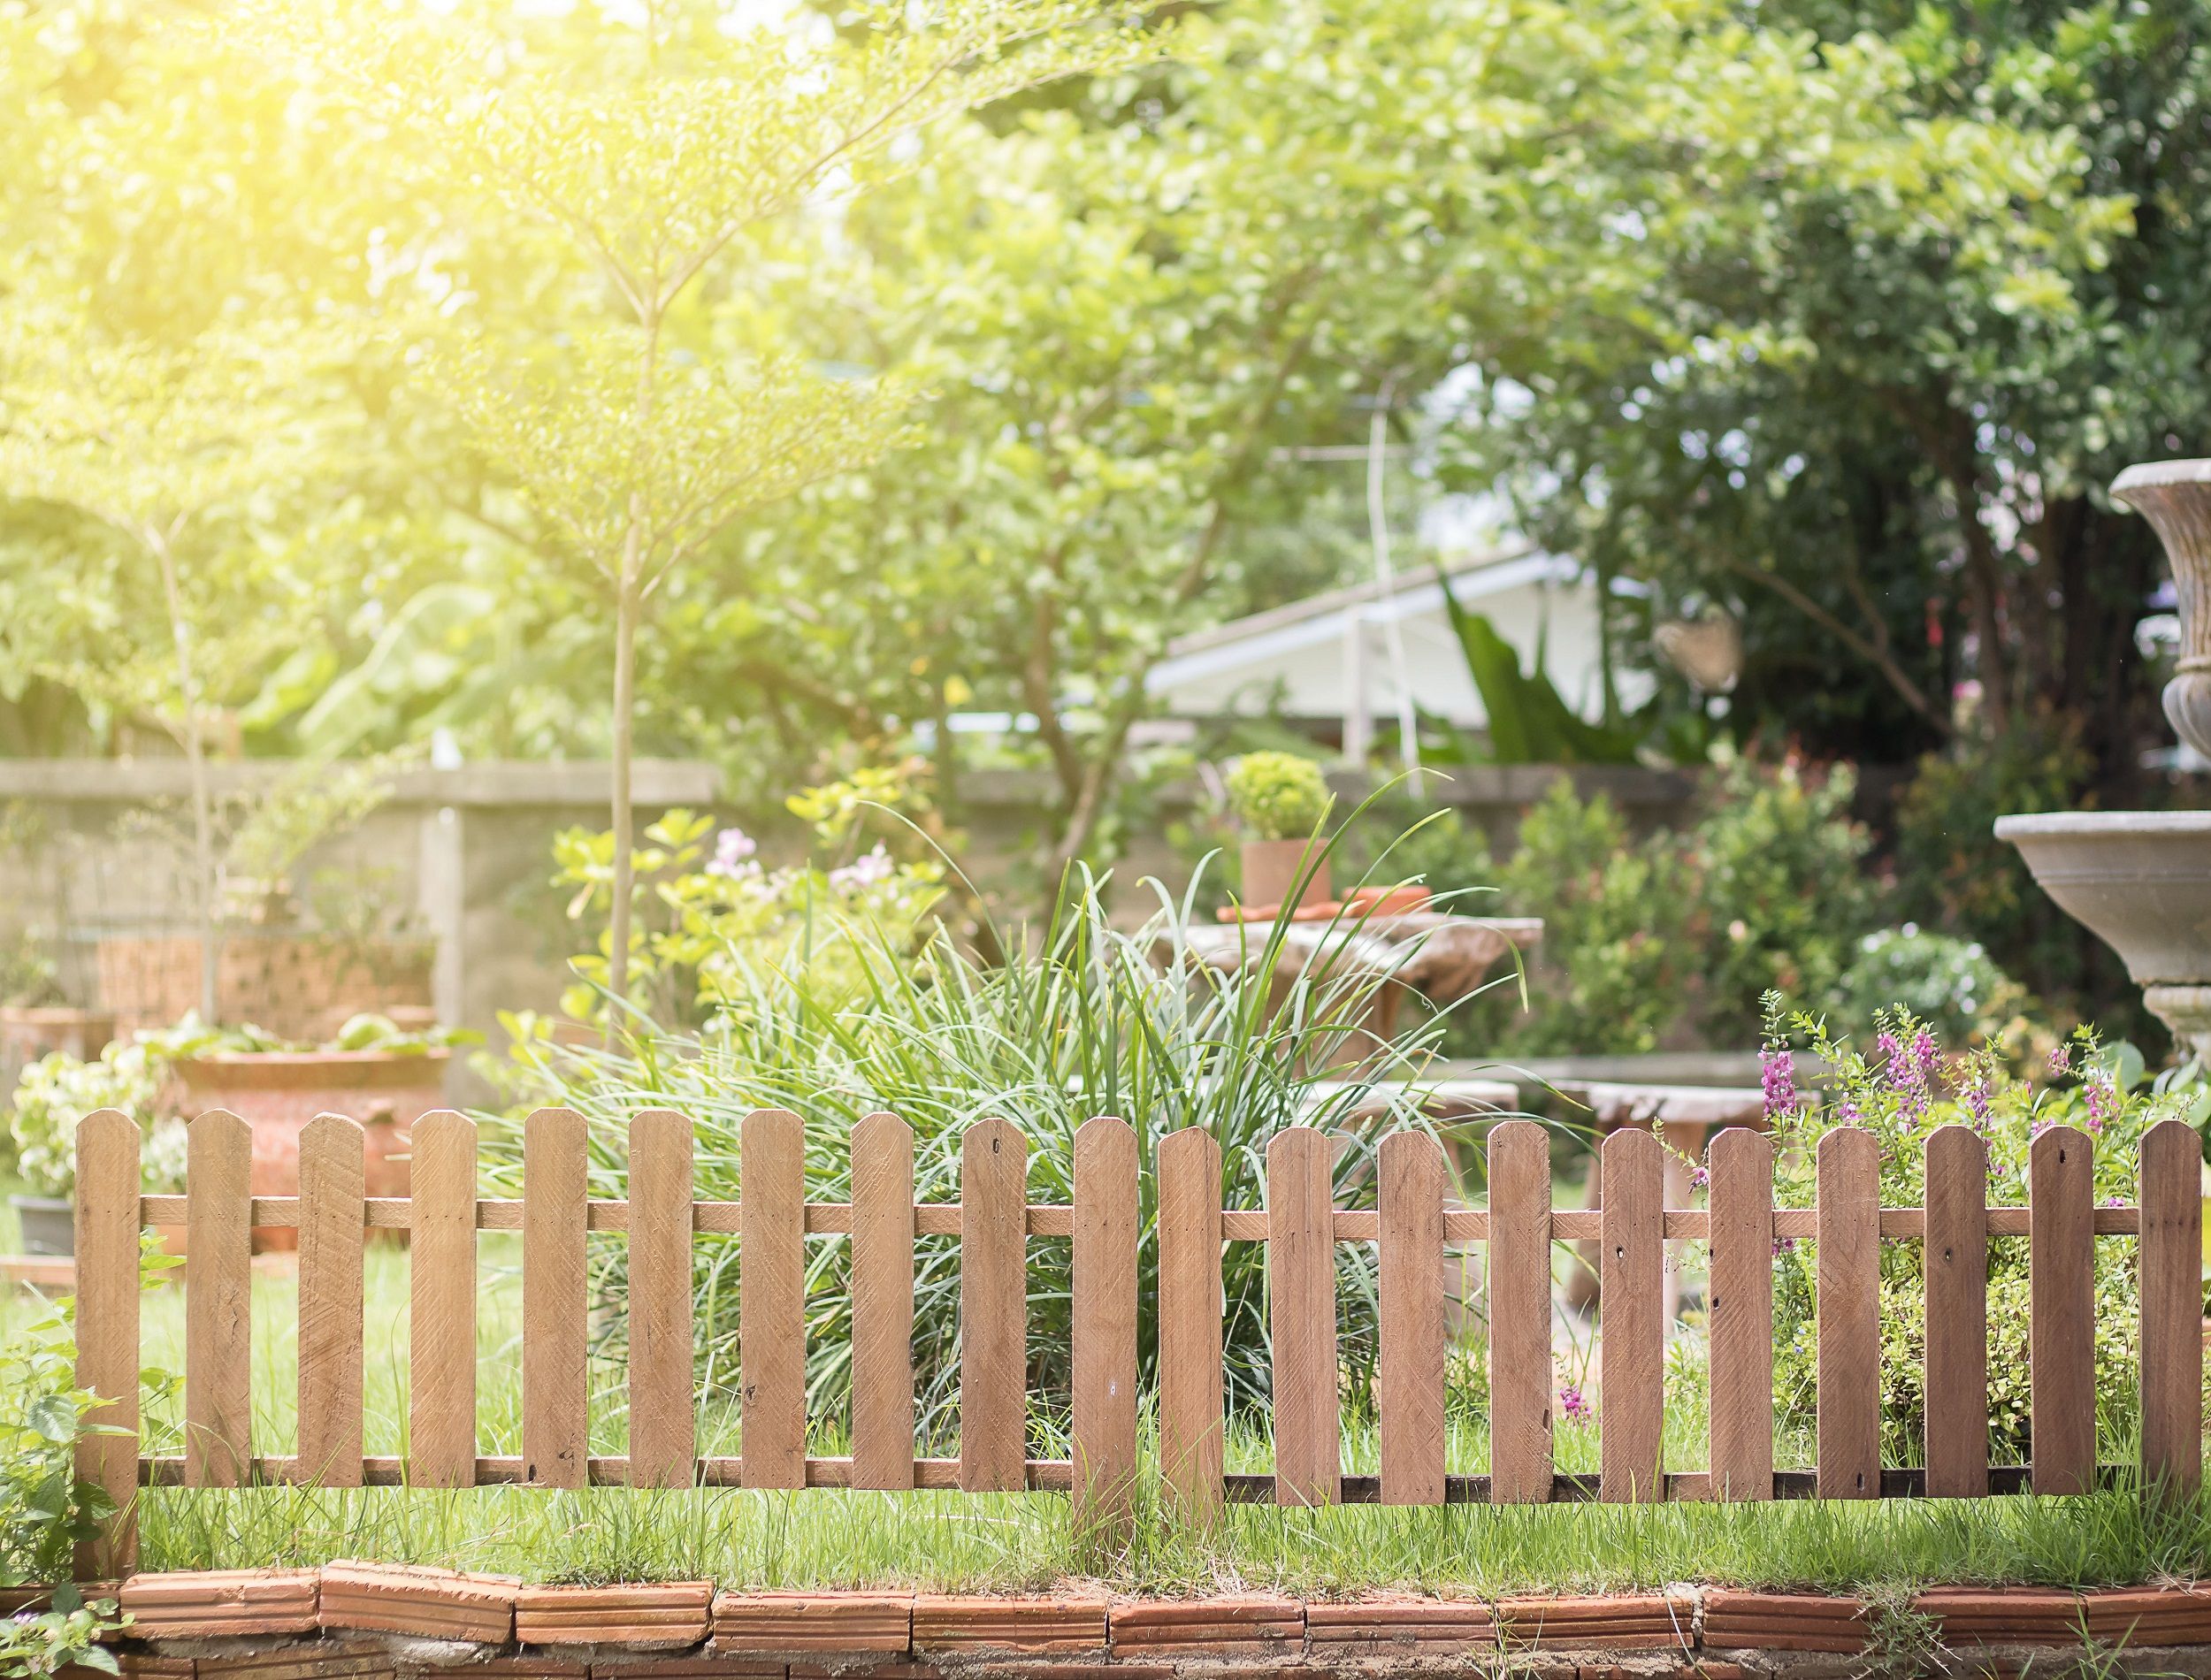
<point>1949,983</point>
<point>1902,1091</point>
<point>56,1092</point>
<point>1278,796</point>
<point>1612,960</point>
<point>1088,1020</point>
<point>1782,893</point>
<point>45,1511</point>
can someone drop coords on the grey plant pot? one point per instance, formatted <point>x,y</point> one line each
<point>48,1223</point>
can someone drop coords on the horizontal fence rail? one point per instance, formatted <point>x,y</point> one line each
<point>1411,1223</point>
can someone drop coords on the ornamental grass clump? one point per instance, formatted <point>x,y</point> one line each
<point>1086,1018</point>
<point>1901,1089</point>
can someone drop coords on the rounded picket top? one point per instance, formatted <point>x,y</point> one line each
<point>2061,1147</point>
<point>1742,1148</point>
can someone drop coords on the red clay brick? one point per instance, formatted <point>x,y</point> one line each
<point>1248,1626</point>
<point>2149,1614</point>
<point>943,1622</point>
<point>316,1660</point>
<point>1647,1622</point>
<point>1404,1626</point>
<point>795,1623</point>
<point>220,1603</point>
<point>2002,1615</point>
<point>661,1616</point>
<point>420,1602</point>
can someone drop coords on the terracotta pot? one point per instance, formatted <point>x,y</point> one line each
<point>278,1091</point>
<point>1271,868</point>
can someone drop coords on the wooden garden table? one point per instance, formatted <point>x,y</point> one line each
<point>1444,957</point>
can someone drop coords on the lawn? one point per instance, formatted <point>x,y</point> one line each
<point>952,1541</point>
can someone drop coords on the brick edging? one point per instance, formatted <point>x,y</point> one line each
<point>351,1621</point>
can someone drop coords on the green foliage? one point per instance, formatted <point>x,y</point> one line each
<point>1949,983</point>
<point>1528,722</point>
<point>45,1510</point>
<point>1615,950</point>
<point>1095,1021</point>
<point>1901,1089</point>
<point>1278,796</point>
<point>56,1092</point>
<point>1953,875</point>
<point>1781,889</point>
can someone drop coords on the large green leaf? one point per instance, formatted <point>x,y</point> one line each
<point>1529,723</point>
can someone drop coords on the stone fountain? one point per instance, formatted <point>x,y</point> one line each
<point>2140,880</point>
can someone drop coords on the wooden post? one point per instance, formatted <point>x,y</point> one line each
<point>1410,1402</point>
<point>218,1302</point>
<point>442,1335</point>
<point>1190,1373</point>
<point>883,1302</point>
<point>2061,1290</point>
<point>1105,1326</point>
<point>663,1411</point>
<point>1956,1280</point>
<point>556,1391</point>
<point>1740,1311</point>
<point>2172,1308</point>
<point>334,1179</point>
<point>1301,1289</point>
<point>771,1298</point>
<point>1631,1295</point>
<point>1519,1313</point>
<point>993,1307</point>
<point>107,1329</point>
<point>1849,1306</point>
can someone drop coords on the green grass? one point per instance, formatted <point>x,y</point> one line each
<point>1010,1542</point>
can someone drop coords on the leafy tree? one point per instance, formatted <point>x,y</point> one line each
<point>633,434</point>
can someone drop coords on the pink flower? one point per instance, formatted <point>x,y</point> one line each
<point>1778,1075</point>
<point>2061,1059</point>
<point>1573,1405</point>
<point>733,849</point>
<point>863,873</point>
<point>1699,1176</point>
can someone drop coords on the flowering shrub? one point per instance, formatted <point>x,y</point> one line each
<point>1901,1092</point>
<point>719,912</point>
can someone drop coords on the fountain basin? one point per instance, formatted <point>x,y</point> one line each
<point>2140,880</point>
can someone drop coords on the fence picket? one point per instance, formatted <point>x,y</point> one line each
<point>107,1329</point>
<point>883,1302</point>
<point>1520,1312</point>
<point>1739,1314</point>
<point>993,1307</point>
<point>442,1313</point>
<point>333,1185</point>
<point>1631,1273</point>
<point>218,1301</point>
<point>663,1415</point>
<point>2171,1170</point>
<point>1410,1393</point>
<point>1104,1323</point>
<point>771,1298</point>
<point>1300,1302</point>
<point>1189,1308</point>
<point>2062,1295</point>
<point>1848,1167</point>
<point>1957,1283</point>
<point>556,1393</point>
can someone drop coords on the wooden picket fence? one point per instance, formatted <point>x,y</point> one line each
<point>1412,1222</point>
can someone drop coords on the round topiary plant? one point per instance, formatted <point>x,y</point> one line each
<point>1278,796</point>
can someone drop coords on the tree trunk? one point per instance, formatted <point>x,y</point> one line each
<point>204,867</point>
<point>618,916</point>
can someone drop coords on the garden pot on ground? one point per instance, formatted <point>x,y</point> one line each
<point>1271,868</point>
<point>277,1092</point>
<point>48,1224</point>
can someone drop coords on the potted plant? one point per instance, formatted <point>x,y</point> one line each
<point>1279,801</point>
<point>373,1071</point>
<point>54,1094</point>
